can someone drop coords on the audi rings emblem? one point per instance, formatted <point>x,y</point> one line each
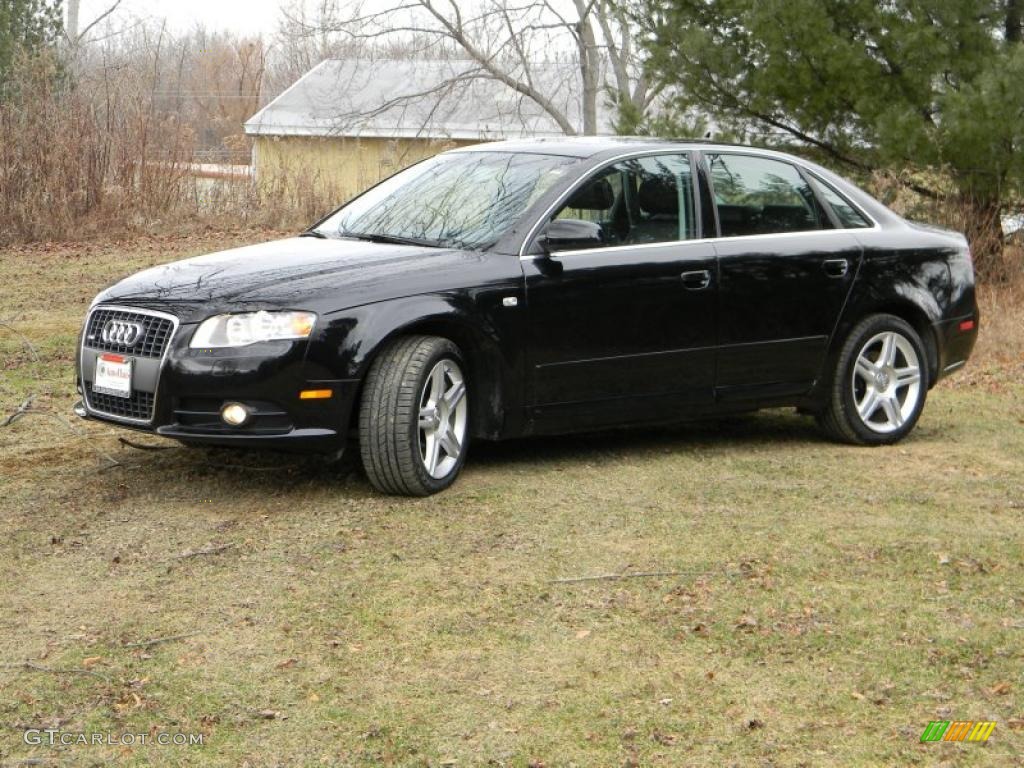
<point>121,332</point>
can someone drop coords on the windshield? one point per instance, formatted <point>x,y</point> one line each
<point>463,199</point>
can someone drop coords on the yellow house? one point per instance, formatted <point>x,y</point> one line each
<point>347,124</point>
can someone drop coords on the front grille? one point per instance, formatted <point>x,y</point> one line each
<point>138,406</point>
<point>147,352</point>
<point>156,332</point>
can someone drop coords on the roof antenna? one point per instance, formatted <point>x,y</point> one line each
<point>708,135</point>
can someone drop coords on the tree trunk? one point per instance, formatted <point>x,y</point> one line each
<point>590,66</point>
<point>72,28</point>
<point>982,224</point>
<point>1014,21</point>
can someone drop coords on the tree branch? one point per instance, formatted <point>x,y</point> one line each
<point>23,337</point>
<point>20,411</point>
<point>160,640</point>
<point>459,36</point>
<point>617,576</point>
<point>33,667</point>
<point>97,20</point>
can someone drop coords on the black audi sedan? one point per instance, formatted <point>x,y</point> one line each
<point>539,287</point>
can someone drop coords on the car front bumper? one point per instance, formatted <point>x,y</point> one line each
<point>180,393</point>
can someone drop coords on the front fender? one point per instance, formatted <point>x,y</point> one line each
<point>489,333</point>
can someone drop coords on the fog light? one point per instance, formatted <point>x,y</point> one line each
<point>234,414</point>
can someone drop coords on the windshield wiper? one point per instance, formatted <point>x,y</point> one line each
<point>314,233</point>
<point>373,237</point>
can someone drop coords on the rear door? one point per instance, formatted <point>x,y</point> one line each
<point>786,268</point>
<point>624,331</point>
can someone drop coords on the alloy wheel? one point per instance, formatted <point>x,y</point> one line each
<point>442,418</point>
<point>886,382</point>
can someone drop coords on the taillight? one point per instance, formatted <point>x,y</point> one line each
<point>966,325</point>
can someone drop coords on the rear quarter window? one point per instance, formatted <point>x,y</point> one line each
<point>762,196</point>
<point>849,217</point>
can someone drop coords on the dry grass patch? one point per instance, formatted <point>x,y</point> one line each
<point>825,603</point>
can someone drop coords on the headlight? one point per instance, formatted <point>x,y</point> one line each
<point>251,327</point>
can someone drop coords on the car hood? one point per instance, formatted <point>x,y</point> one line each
<point>295,272</point>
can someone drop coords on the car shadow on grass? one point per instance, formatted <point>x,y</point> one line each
<point>746,430</point>
<point>276,473</point>
<point>255,469</point>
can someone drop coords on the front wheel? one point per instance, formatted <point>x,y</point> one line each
<point>879,385</point>
<point>414,417</point>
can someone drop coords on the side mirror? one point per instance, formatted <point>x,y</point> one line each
<point>570,235</point>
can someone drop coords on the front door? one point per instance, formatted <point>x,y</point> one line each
<point>785,272</point>
<point>623,329</point>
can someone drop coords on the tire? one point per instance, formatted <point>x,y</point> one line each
<point>414,416</point>
<point>879,385</point>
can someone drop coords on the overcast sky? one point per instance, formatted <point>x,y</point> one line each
<point>240,16</point>
<point>243,17</point>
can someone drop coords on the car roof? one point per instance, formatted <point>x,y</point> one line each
<point>591,146</point>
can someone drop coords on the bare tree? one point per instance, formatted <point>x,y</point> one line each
<point>71,28</point>
<point>591,42</point>
<point>302,41</point>
<point>75,36</point>
<point>212,85</point>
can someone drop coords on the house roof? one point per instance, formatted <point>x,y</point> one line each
<point>433,99</point>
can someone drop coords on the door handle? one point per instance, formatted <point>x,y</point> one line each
<point>697,280</point>
<point>835,267</point>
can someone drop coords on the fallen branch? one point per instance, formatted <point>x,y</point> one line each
<point>33,667</point>
<point>144,447</point>
<point>26,411</point>
<point>616,576</point>
<point>20,411</point>
<point>23,337</point>
<point>200,552</point>
<point>160,640</point>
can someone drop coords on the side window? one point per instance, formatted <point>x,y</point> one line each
<point>595,200</point>
<point>759,196</point>
<point>849,217</point>
<point>643,200</point>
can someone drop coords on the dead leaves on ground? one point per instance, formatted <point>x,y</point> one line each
<point>665,739</point>
<point>879,695</point>
<point>967,564</point>
<point>746,623</point>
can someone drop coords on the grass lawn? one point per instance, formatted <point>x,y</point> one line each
<point>821,605</point>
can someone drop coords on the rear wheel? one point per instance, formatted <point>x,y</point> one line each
<point>414,416</point>
<point>879,385</point>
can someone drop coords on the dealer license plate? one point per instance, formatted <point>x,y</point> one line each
<point>113,375</point>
